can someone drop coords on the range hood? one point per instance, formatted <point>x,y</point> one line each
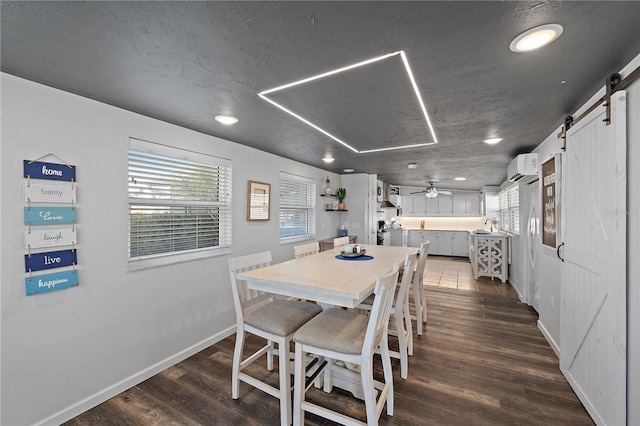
<point>385,197</point>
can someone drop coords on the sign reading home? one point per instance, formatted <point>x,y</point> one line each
<point>49,171</point>
<point>49,260</point>
<point>51,282</point>
<point>49,215</point>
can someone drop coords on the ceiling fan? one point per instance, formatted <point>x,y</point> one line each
<point>432,192</point>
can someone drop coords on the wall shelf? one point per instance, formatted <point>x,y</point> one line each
<point>327,195</point>
<point>336,210</point>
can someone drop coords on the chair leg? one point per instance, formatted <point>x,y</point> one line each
<point>402,347</point>
<point>388,373</point>
<point>409,328</point>
<point>237,360</point>
<point>366,374</point>
<point>270,355</point>
<point>423,303</point>
<point>298,387</point>
<point>328,375</point>
<point>417,301</point>
<point>285,381</point>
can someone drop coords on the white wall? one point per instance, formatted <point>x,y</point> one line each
<point>549,265</point>
<point>65,351</point>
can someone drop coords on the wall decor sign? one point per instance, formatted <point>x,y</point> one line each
<point>50,260</point>
<point>41,193</point>
<point>549,202</point>
<point>49,171</point>
<point>50,237</point>
<point>49,215</point>
<point>51,282</point>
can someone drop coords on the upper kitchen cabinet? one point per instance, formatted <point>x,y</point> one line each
<point>466,205</point>
<point>414,205</point>
<point>489,201</point>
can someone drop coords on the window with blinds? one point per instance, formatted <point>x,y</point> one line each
<point>179,203</point>
<point>297,208</point>
<point>509,200</point>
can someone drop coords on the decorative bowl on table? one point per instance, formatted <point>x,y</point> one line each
<point>353,250</point>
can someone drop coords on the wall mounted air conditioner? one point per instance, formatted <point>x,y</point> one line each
<point>521,166</point>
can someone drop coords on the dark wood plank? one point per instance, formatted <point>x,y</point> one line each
<point>481,361</point>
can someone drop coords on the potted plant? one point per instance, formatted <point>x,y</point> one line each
<point>341,193</point>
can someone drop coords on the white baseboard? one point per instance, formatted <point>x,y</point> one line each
<point>550,340</point>
<point>113,390</point>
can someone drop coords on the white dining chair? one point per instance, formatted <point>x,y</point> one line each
<point>340,242</point>
<point>338,334</point>
<point>401,316</point>
<point>306,249</point>
<point>274,320</point>
<point>419,292</point>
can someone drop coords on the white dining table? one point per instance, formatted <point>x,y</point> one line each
<point>326,279</point>
<point>330,281</point>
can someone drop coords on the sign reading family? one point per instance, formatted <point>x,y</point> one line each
<point>49,171</point>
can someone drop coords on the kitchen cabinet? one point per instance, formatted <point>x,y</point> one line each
<point>442,243</point>
<point>414,206</point>
<point>460,244</point>
<point>466,205</point>
<point>439,206</point>
<point>489,201</point>
<point>398,237</point>
<point>489,256</point>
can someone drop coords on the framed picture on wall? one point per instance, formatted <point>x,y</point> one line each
<point>550,191</point>
<point>258,200</point>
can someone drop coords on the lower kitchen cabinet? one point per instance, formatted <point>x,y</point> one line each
<point>442,243</point>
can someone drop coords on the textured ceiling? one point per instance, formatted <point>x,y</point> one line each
<point>185,62</point>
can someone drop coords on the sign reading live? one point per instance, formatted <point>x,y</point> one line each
<point>49,260</point>
<point>49,171</point>
<point>51,282</point>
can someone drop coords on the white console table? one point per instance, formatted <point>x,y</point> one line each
<point>489,255</point>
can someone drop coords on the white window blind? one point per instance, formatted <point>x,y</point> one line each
<point>179,202</point>
<point>509,200</point>
<point>297,208</point>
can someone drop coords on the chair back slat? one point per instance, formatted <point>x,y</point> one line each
<point>340,242</point>
<point>244,298</point>
<point>418,276</point>
<point>402,297</point>
<point>307,249</point>
<point>378,324</point>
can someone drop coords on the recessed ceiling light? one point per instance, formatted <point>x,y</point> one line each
<point>348,170</point>
<point>328,159</point>
<point>226,119</point>
<point>460,178</point>
<point>412,165</point>
<point>492,141</point>
<point>536,38</point>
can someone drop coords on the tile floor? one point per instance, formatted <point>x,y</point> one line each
<point>455,273</point>
<point>450,272</point>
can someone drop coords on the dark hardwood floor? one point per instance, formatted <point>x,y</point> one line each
<point>481,361</point>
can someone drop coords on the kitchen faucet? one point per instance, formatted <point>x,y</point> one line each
<point>490,220</point>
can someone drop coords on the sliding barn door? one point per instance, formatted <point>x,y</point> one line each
<point>593,307</point>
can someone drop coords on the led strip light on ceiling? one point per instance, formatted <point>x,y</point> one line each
<point>347,68</point>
